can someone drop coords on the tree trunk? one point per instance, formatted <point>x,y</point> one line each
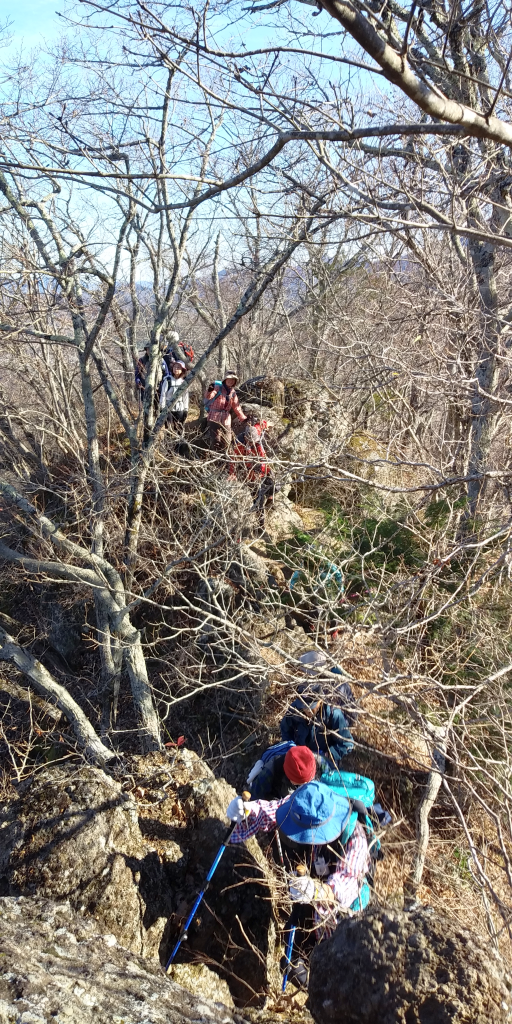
<point>483,409</point>
<point>135,662</point>
<point>46,685</point>
<point>428,800</point>
<point>111,664</point>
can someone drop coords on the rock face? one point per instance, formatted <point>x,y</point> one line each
<point>407,968</point>
<point>75,835</point>
<point>197,978</point>
<point>235,930</point>
<point>281,520</point>
<point>58,968</point>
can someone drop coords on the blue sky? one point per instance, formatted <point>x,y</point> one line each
<point>32,21</point>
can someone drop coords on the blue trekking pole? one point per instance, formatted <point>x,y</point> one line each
<point>288,954</point>
<point>183,936</point>
<point>301,870</point>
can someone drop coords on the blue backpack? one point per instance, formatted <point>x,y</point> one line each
<point>273,751</point>
<point>361,793</point>
<point>276,749</point>
<point>209,401</point>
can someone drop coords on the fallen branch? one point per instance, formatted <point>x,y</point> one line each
<point>434,782</point>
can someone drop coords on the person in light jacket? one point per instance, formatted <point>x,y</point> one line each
<point>170,384</point>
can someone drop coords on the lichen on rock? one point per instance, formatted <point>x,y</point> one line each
<point>74,835</point>
<point>57,967</point>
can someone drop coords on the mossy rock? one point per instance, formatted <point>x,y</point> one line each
<point>267,390</point>
<point>366,446</point>
<point>289,399</point>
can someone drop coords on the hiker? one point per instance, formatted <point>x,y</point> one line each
<point>221,401</point>
<point>320,829</point>
<point>310,722</point>
<point>282,769</point>
<point>176,351</point>
<point>141,371</point>
<point>170,384</point>
<point>248,451</point>
<point>250,461</point>
<point>314,663</point>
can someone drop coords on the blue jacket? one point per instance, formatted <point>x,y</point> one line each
<point>327,733</point>
<point>271,783</point>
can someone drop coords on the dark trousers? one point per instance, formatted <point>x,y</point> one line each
<point>302,918</point>
<point>220,437</point>
<point>176,420</point>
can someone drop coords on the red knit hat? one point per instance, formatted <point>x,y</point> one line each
<point>299,765</point>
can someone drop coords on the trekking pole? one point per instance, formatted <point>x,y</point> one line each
<point>279,848</point>
<point>183,936</point>
<point>288,954</point>
<point>301,870</point>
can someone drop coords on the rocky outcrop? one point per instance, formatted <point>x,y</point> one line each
<point>281,520</point>
<point>266,392</point>
<point>74,835</point>
<point>235,929</point>
<point>199,979</point>
<point>392,967</point>
<point>59,968</point>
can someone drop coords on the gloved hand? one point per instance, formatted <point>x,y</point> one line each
<point>302,890</point>
<point>254,772</point>
<point>321,867</point>
<point>236,810</point>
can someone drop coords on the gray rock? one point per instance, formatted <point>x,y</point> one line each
<point>73,835</point>
<point>58,968</point>
<point>281,520</point>
<point>197,978</point>
<point>268,394</point>
<point>392,967</point>
<point>248,569</point>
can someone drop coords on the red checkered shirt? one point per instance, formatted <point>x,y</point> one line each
<point>224,403</point>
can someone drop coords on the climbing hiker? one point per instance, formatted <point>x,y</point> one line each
<point>283,768</point>
<point>315,663</point>
<point>249,455</point>
<point>323,838</point>
<point>221,402</point>
<point>170,384</point>
<point>310,722</point>
<point>249,462</point>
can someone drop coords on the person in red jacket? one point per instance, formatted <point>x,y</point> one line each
<point>221,403</point>
<point>250,457</point>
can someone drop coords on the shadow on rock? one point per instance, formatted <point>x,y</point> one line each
<point>235,927</point>
<point>74,835</point>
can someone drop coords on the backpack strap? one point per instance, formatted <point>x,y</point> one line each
<point>275,751</point>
